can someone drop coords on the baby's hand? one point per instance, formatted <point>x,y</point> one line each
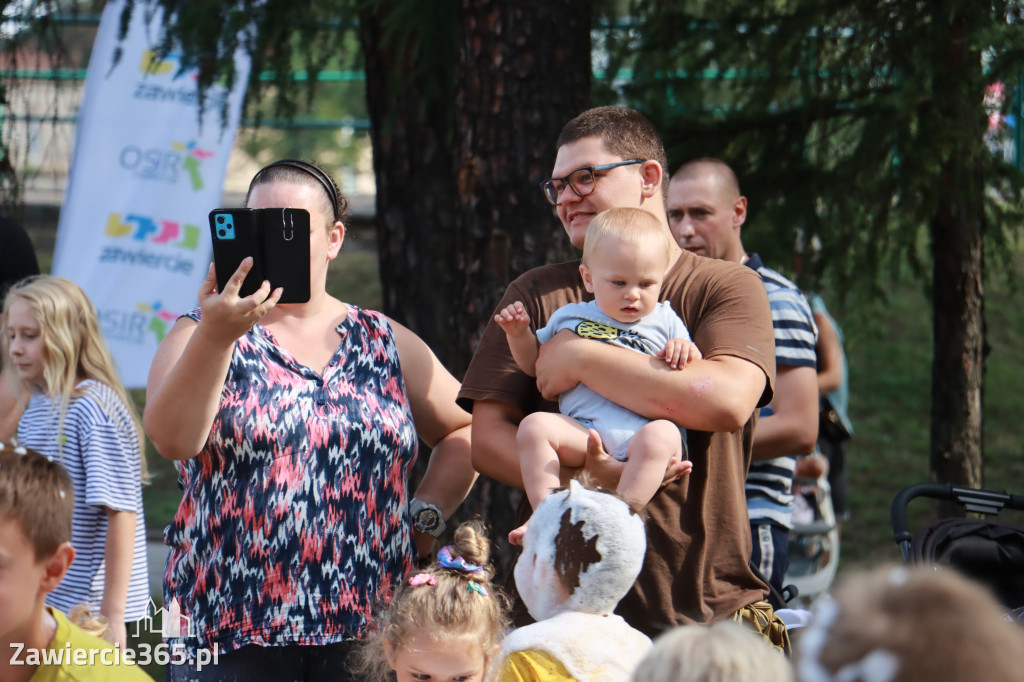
<point>678,353</point>
<point>513,319</point>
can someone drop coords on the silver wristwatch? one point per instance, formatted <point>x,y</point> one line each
<point>426,517</point>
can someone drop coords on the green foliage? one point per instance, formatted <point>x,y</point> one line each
<point>280,36</point>
<point>839,116</point>
<point>889,353</point>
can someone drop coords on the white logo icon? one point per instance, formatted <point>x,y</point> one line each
<point>167,622</point>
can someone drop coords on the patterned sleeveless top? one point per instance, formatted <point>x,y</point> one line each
<point>294,517</point>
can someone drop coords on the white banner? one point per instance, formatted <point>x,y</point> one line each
<point>133,231</point>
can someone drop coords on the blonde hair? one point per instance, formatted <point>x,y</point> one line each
<point>916,624</point>
<point>634,226</point>
<point>73,348</point>
<point>95,624</point>
<point>37,494</point>
<point>445,603</point>
<point>723,652</point>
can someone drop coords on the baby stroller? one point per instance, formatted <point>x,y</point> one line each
<point>813,541</point>
<point>989,551</point>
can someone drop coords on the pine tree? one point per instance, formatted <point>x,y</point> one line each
<point>861,124</point>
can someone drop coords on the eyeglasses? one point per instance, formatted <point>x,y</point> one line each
<point>582,181</point>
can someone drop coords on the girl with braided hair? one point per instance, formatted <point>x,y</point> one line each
<point>445,621</point>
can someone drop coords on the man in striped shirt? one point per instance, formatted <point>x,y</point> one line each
<point>705,213</point>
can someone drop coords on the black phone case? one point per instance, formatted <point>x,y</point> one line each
<point>276,238</point>
<point>286,246</point>
<point>235,236</point>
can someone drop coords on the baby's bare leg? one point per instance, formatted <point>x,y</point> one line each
<point>650,451</point>
<point>547,441</point>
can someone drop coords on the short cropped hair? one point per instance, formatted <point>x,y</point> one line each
<point>693,169</point>
<point>625,132</point>
<point>632,225</point>
<point>723,652</point>
<point>37,494</point>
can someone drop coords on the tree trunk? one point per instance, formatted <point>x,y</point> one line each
<point>409,96</point>
<point>459,145</point>
<point>957,277</point>
<point>523,71</point>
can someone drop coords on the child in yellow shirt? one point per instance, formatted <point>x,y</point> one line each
<point>38,643</point>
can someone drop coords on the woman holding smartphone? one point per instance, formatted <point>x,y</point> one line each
<point>294,428</point>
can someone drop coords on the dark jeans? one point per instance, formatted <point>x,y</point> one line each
<point>291,663</point>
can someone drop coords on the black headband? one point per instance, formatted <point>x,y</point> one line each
<point>309,169</point>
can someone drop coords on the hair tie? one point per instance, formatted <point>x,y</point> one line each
<point>422,579</point>
<point>312,170</point>
<point>474,586</point>
<point>445,558</point>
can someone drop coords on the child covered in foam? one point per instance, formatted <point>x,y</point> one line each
<point>582,551</point>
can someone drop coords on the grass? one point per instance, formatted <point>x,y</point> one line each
<point>890,376</point>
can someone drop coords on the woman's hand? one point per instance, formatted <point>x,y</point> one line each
<point>187,374</point>
<point>227,316</point>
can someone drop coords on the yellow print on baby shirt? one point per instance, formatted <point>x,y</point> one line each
<point>588,329</point>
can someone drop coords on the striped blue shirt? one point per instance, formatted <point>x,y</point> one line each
<point>101,454</point>
<point>770,483</point>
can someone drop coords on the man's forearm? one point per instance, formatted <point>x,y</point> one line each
<point>718,394</point>
<point>495,454</point>
<point>777,436</point>
<point>792,428</point>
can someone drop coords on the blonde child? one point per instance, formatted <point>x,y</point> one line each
<point>41,643</point>
<point>723,652</point>
<point>625,258</point>
<point>445,621</point>
<point>79,415</point>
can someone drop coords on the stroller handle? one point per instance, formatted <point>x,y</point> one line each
<point>979,500</point>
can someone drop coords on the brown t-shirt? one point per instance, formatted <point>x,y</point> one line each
<point>698,537</point>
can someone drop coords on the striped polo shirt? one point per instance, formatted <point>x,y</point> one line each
<point>770,482</point>
<point>99,448</point>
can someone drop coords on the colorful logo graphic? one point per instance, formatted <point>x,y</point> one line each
<point>194,156</point>
<point>165,165</point>
<point>153,230</point>
<point>152,65</point>
<point>182,89</point>
<point>135,325</point>
<point>159,318</point>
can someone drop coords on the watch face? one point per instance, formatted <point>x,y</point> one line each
<point>427,519</point>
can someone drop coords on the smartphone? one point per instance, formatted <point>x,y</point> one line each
<point>235,236</point>
<point>286,249</point>
<point>276,238</point>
